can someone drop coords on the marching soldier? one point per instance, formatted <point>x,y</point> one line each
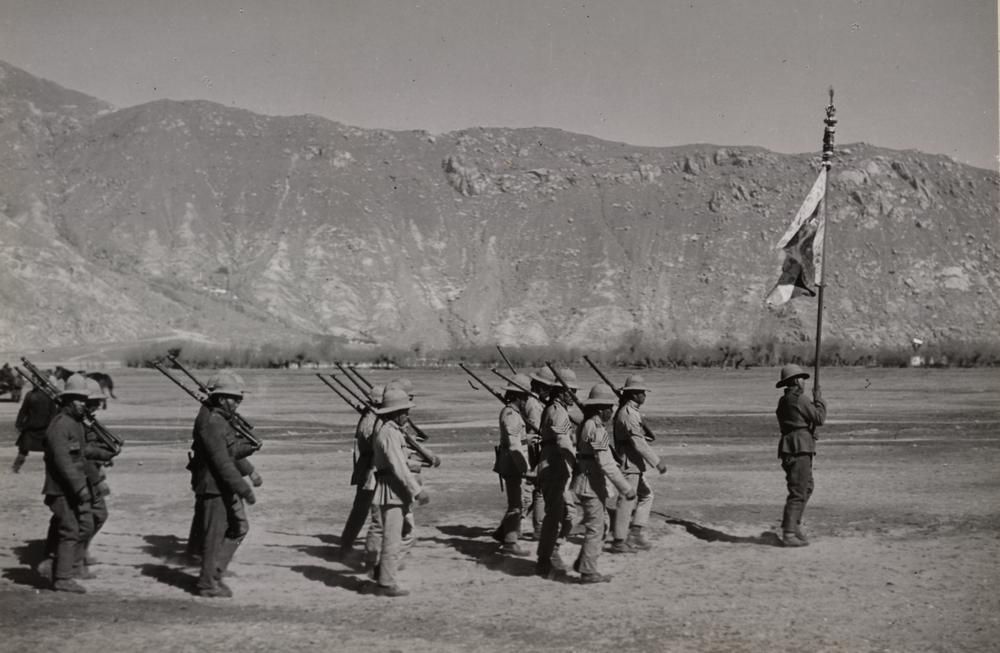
<point>558,457</point>
<point>534,406</point>
<point>196,539</point>
<point>513,463</point>
<point>219,485</point>
<point>595,466</point>
<point>97,456</point>
<point>396,487</point>
<point>33,417</point>
<point>797,419</point>
<point>632,515</point>
<point>363,474</point>
<point>66,491</point>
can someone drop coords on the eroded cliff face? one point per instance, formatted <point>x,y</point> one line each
<point>194,217</point>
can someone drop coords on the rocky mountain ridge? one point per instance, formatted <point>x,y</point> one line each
<point>191,217</point>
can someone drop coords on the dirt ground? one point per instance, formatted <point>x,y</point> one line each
<point>904,523</point>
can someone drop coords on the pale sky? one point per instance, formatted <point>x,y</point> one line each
<point>918,74</point>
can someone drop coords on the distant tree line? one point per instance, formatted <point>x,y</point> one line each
<point>763,352</point>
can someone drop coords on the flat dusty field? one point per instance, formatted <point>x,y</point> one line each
<point>905,529</point>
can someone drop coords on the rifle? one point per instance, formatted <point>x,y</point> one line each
<point>618,393</point>
<point>429,459</point>
<point>566,387</point>
<point>421,435</point>
<point>515,383</point>
<point>485,385</point>
<point>39,380</point>
<point>506,360</point>
<point>239,424</point>
<point>347,400</point>
<point>205,390</point>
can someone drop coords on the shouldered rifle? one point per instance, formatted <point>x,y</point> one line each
<point>566,387</point>
<point>618,393</point>
<point>485,385</point>
<point>206,390</point>
<point>514,383</point>
<point>364,385</point>
<point>40,381</point>
<point>347,400</point>
<point>428,458</point>
<point>506,360</point>
<point>239,424</point>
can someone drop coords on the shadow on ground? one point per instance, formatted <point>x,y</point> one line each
<point>707,534</point>
<point>467,541</point>
<point>171,576</point>
<point>31,552</point>
<point>169,548</point>
<point>333,577</point>
<point>25,576</point>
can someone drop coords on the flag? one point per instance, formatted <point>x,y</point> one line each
<point>803,245</point>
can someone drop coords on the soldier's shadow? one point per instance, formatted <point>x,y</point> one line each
<point>171,576</point>
<point>168,548</point>
<point>332,577</point>
<point>466,540</point>
<point>31,552</point>
<point>28,554</point>
<point>707,534</point>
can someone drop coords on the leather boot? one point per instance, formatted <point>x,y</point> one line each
<point>637,538</point>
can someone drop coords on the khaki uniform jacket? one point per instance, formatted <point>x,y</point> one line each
<point>513,460</point>
<point>797,419</point>
<point>363,473</point>
<point>243,465</point>
<point>395,484</point>
<point>65,472</point>
<point>558,451</point>
<point>533,409</point>
<point>216,448</point>
<point>95,454</point>
<point>630,440</point>
<point>33,418</point>
<point>594,463</point>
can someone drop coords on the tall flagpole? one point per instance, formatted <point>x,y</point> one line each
<point>828,132</point>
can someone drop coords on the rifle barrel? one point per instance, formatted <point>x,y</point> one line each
<point>506,360</point>
<point>483,383</point>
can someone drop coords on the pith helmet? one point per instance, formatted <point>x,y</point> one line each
<point>601,395</point>
<point>519,380</point>
<point>230,385</point>
<point>790,372</point>
<point>375,394</point>
<point>402,382</point>
<point>94,391</point>
<point>635,383</point>
<point>76,385</point>
<point>569,376</point>
<point>544,376</point>
<point>394,400</point>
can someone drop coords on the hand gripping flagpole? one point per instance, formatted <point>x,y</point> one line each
<point>828,133</point>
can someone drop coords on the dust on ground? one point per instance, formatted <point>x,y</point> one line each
<point>905,529</point>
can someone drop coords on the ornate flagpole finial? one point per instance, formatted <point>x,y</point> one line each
<point>831,127</point>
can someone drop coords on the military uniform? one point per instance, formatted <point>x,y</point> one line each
<point>636,456</point>
<point>67,495</point>
<point>33,417</point>
<point>395,490</point>
<point>362,477</point>
<point>797,420</point>
<point>221,489</point>
<point>96,458</point>
<point>558,455</point>
<point>532,413</point>
<point>512,464</point>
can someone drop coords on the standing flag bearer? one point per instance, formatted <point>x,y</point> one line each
<point>805,266</point>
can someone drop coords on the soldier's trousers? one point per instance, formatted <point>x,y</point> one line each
<point>510,525</point>
<point>356,519</point>
<point>632,513</point>
<point>593,528</point>
<point>554,525</point>
<point>224,526</point>
<point>799,478</point>
<point>99,514</point>
<point>393,518</point>
<point>74,525</point>
<point>196,539</point>
<point>374,537</point>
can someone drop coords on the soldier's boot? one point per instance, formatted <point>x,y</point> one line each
<point>514,549</point>
<point>18,462</point>
<point>587,579</point>
<point>799,534</point>
<point>790,539</point>
<point>44,569</point>
<point>621,546</point>
<point>638,539</point>
<point>216,591</point>
<point>68,585</point>
<point>83,572</point>
<point>556,561</point>
<point>391,590</point>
